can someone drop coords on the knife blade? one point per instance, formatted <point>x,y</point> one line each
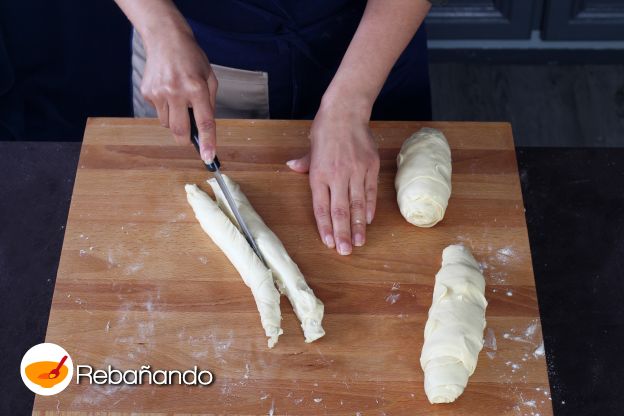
<point>214,167</point>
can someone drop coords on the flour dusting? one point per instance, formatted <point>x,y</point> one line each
<point>133,268</point>
<point>489,343</point>
<point>533,401</point>
<point>504,255</point>
<point>530,331</point>
<point>494,266</point>
<point>539,351</point>
<point>393,298</point>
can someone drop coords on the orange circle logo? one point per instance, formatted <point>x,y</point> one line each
<point>47,369</point>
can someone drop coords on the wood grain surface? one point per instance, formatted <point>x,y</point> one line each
<point>140,283</point>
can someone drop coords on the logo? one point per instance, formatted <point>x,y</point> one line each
<point>47,369</point>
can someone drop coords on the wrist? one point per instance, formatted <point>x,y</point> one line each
<point>170,28</point>
<point>352,103</point>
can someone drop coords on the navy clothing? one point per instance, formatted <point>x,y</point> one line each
<point>61,62</point>
<point>300,45</point>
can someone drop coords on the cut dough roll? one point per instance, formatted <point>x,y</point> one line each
<point>423,179</point>
<point>454,330</point>
<point>233,244</point>
<point>287,275</point>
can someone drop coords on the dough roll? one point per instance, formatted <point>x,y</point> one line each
<point>423,179</point>
<point>289,279</point>
<point>233,244</point>
<point>454,330</point>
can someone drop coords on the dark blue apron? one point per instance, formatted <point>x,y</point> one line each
<point>300,45</point>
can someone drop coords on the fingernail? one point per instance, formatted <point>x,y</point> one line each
<point>369,217</point>
<point>291,163</point>
<point>207,156</point>
<point>329,241</point>
<point>358,240</point>
<point>344,249</point>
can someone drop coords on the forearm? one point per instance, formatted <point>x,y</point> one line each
<point>383,33</point>
<point>154,18</point>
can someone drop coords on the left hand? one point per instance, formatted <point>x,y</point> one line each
<point>344,164</point>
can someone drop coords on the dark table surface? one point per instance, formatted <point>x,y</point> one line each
<point>574,201</point>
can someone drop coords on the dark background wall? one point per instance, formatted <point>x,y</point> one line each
<point>61,61</point>
<point>581,20</point>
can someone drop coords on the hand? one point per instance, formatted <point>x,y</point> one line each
<point>177,76</point>
<point>344,165</point>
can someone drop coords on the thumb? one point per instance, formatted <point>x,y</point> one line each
<point>301,165</point>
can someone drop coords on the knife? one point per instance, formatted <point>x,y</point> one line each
<point>214,168</point>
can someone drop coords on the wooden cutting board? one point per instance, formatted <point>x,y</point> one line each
<point>139,283</point>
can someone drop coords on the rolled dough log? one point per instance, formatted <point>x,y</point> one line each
<point>454,330</point>
<point>423,179</point>
<point>233,244</point>
<point>286,274</point>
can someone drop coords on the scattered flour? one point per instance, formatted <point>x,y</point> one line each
<point>530,403</point>
<point>133,268</point>
<point>393,298</point>
<point>495,264</point>
<point>514,367</point>
<point>539,351</point>
<point>530,331</point>
<point>489,343</point>
<point>532,346</point>
<point>145,330</point>
<point>504,255</point>
<point>181,216</point>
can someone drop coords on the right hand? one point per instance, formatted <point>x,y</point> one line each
<point>177,76</point>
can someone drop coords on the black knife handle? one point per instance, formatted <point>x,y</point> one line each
<point>215,164</point>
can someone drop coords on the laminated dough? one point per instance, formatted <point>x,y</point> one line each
<point>287,276</point>
<point>233,244</point>
<point>423,179</point>
<point>454,330</point>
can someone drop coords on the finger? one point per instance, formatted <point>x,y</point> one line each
<point>320,205</point>
<point>146,92</point>
<point>213,84</point>
<point>163,113</point>
<point>206,127</point>
<point>301,165</point>
<point>358,211</point>
<point>370,187</point>
<point>179,121</point>
<point>340,216</point>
